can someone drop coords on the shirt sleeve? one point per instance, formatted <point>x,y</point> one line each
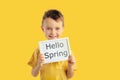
<point>34,58</point>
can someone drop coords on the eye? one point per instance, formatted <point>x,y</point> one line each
<point>57,28</point>
<point>48,28</point>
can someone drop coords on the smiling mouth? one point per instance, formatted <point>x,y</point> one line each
<point>53,36</point>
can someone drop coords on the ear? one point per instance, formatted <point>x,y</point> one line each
<point>42,28</point>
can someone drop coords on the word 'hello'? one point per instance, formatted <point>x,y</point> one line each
<point>55,45</point>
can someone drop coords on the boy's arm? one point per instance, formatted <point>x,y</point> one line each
<point>71,62</point>
<point>35,70</point>
<point>70,72</point>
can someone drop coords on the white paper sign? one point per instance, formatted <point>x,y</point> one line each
<point>55,50</point>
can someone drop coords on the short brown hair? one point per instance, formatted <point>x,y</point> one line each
<point>54,14</point>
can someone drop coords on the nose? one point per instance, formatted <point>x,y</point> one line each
<point>53,32</point>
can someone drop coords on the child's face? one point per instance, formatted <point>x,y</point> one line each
<point>52,29</point>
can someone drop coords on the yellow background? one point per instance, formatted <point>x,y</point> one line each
<point>93,27</point>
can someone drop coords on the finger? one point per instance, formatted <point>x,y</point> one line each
<point>41,55</point>
<point>42,58</point>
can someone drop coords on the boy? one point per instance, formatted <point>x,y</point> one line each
<point>52,26</point>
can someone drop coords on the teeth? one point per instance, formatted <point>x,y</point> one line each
<point>52,36</point>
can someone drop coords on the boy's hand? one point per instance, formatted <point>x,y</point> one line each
<point>71,60</point>
<point>40,59</point>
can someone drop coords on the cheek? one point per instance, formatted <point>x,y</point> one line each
<point>59,33</point>
<point>47,32</point>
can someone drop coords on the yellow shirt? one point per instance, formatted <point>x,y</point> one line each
<point>51,71</point>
